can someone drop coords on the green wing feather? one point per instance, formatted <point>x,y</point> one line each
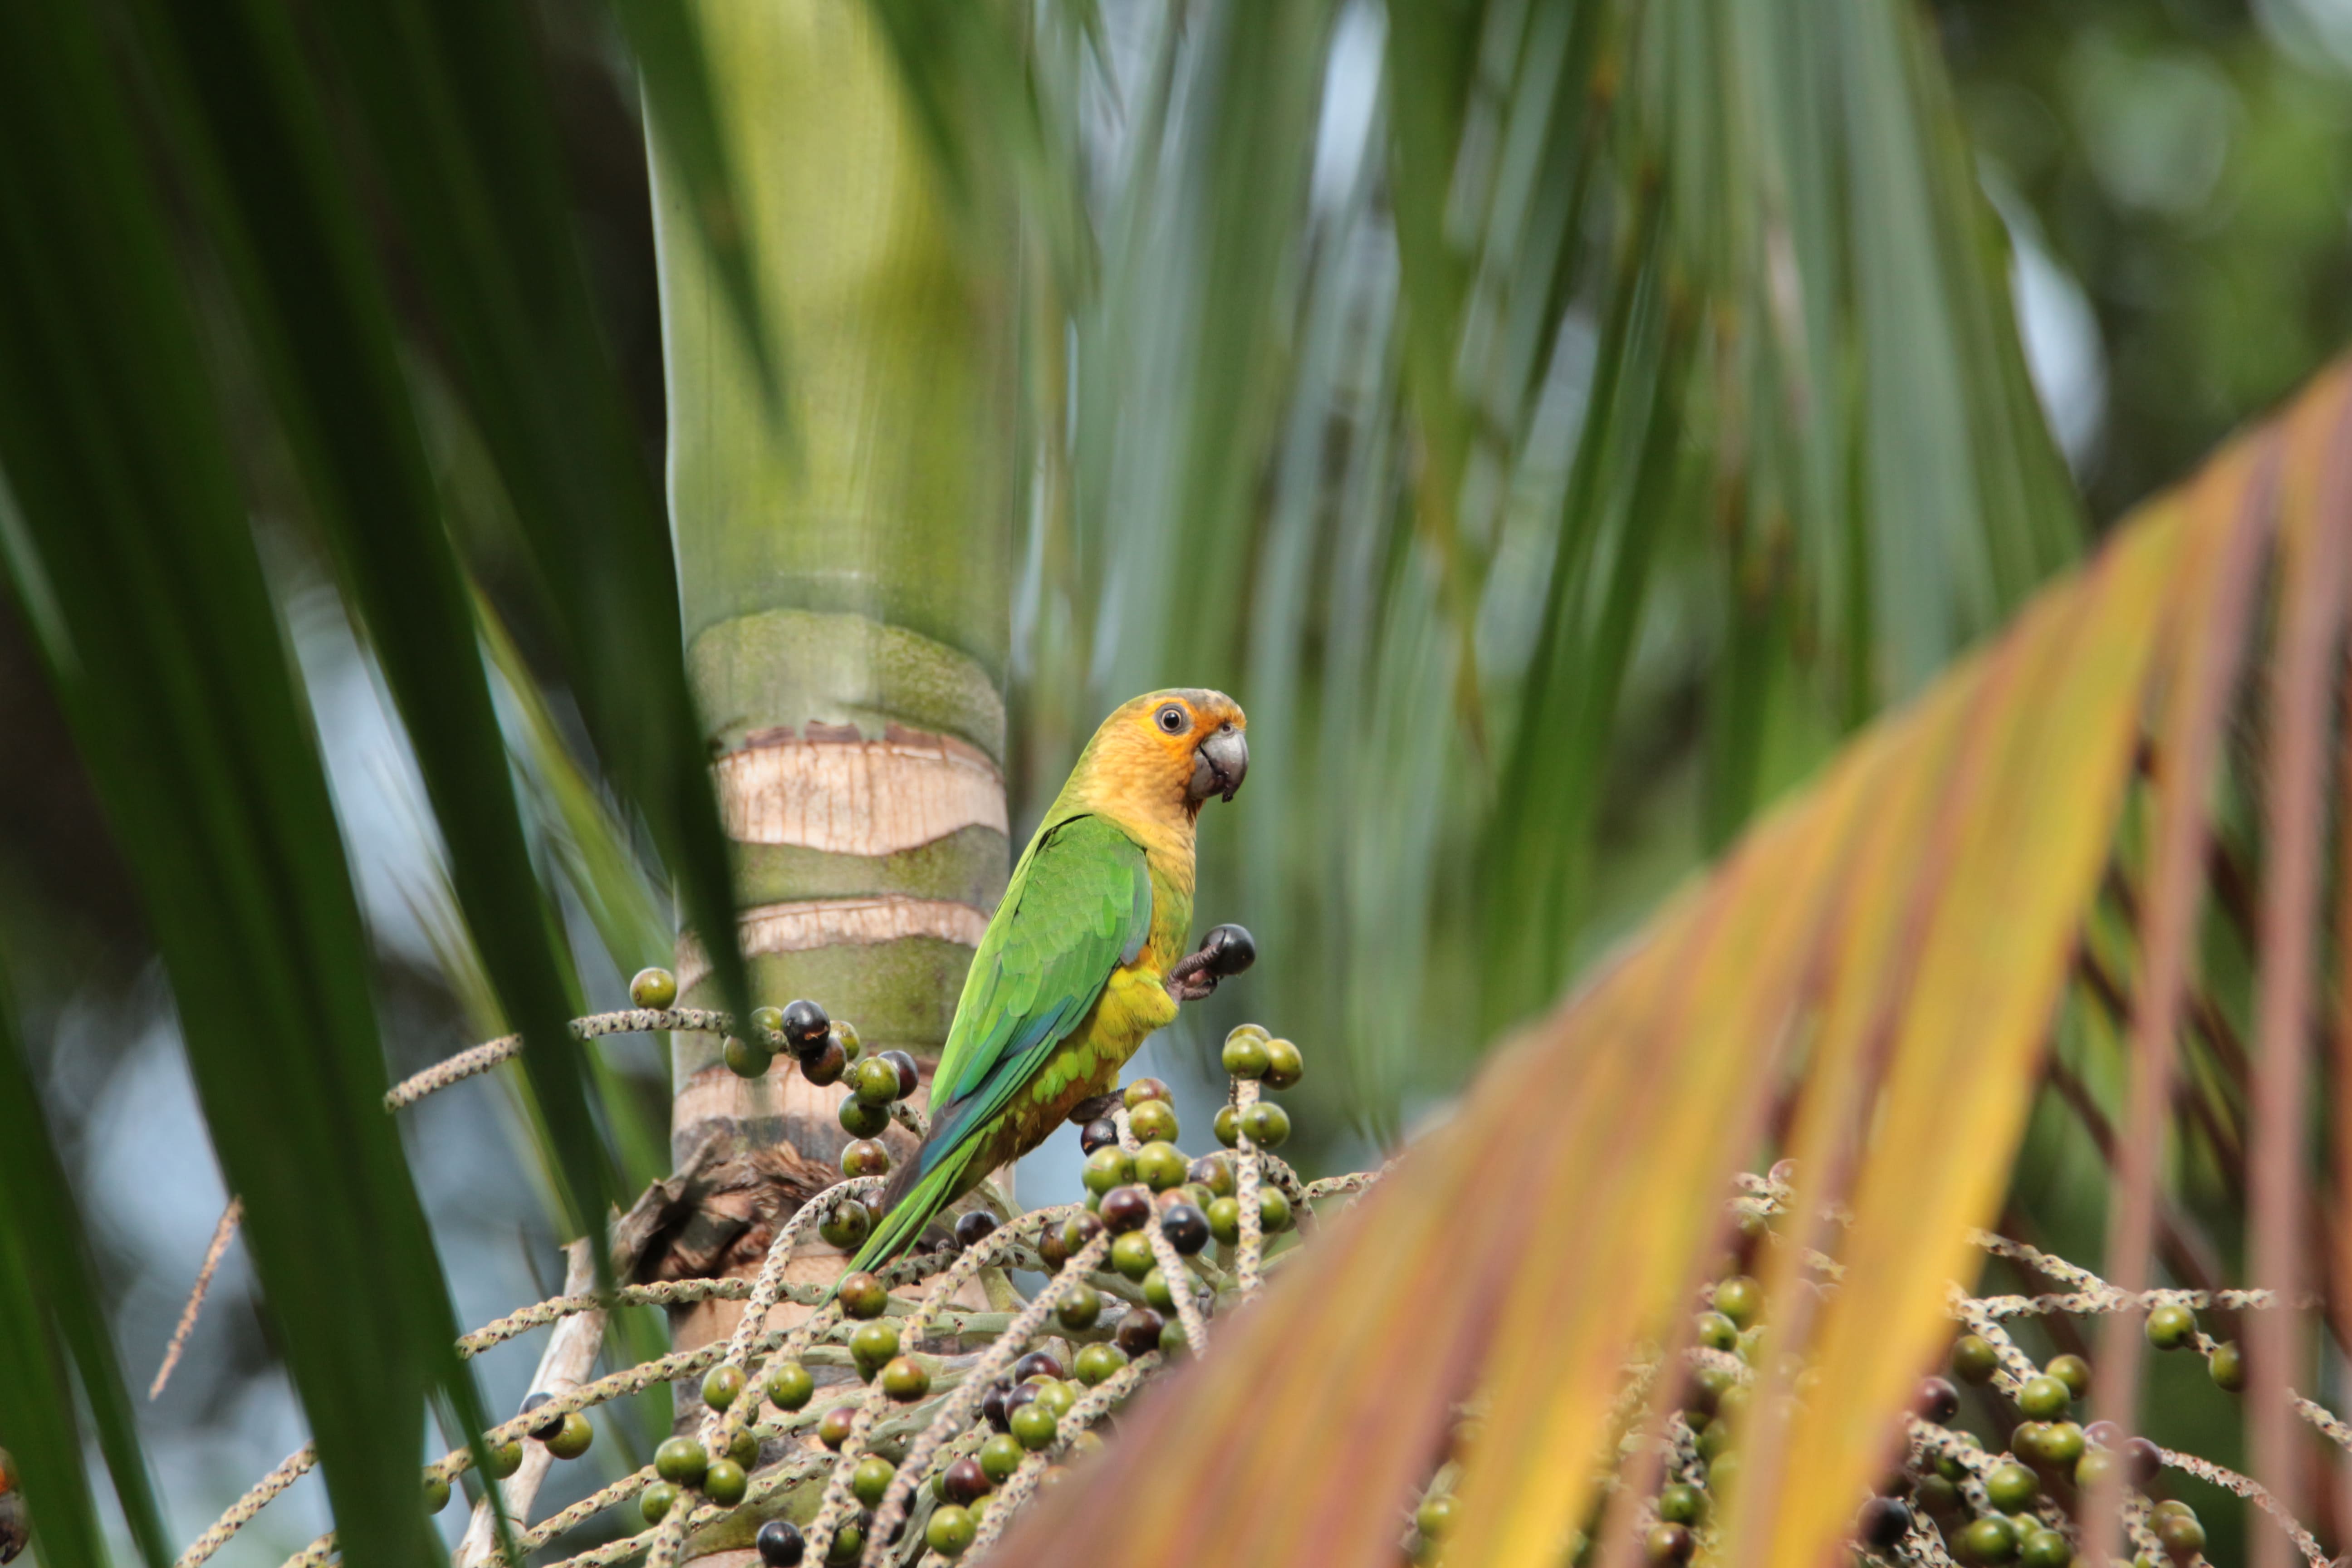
<point>1078,906</point>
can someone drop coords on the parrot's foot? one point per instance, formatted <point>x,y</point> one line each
<point>1224,952</point>
<point>1094,1107</point>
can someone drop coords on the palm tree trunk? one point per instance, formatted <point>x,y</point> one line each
<point>844,562</point>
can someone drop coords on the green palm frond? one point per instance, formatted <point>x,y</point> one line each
<point>1463,376</point>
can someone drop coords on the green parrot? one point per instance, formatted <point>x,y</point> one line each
<point>1084,956</point>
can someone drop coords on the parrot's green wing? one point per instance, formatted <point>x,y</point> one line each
<point>1079,905</point>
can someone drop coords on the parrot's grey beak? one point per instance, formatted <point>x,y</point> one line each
<point>1219,765</point>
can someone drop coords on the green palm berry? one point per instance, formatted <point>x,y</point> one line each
<point>1707,1387</point>
<point>1717,1333</point>
<point>872,1344</point>
<point>721,1387</point>
<point>1987,1540</point>
<point>790,1386</point>
<point>681,1461</point>
<point>725,1483</point>
<point>845,1224</point>
<point>767,1021</point>
<point>2012,1488</point>
<point>1172,1341</point>
<point>574,1437</point>
<point>871,1479</point>
<point>1266,1124</point>
<point>875,1082</point>
<point>744,1449</point>
<point>1715,1439</point>
<point>2095,1466</point>
<point>1224,1219</point>
<point>744,1057</point>
<point>655,1502</point>
<point>849,1546</point>
<point>1670,1543</point>
<point>1973,1358</point>
<point>1160,1166</point>
<point>1131,1255</point>
<point>1740,1299</point>
<point>833,1430</point>
<point>2062,1445</point>
<point>1077,1310</point>
<point>862,1295</point>
<point>1108,1167</point>
<point>1936,1495</point>
<point>951,1531</point>
<point>2228,1366</point>
<point>1057,1396</point>
<point>1153,1121</point>
<point>1085,1444</point>
<point>1034,1426</point>
<point>2168,1508</point>
<point>1435,1517</point>
<point>1731,1404</point>
<point>2027,1441</point>
<point>905,1380</point>
<point>1273,1211</point>
<point>1227,1126</point>
<point>1722,1473</point>
<point>844,1035</point>
<point>2044,1398</point>
<point>2074,1371</point>
<point>653,989</point>
<point>1244,1057</point>
<point>1284,1065</point>
<point>1097,1363</point>
<point>999,1455</point>
<point>1145,1089</point>
<point>2181,1536</point>
<point>437,1493</point>
<point>1215,1172</point>
<point>2170,1326</point>
<point>860,1120</point>
<point>1156,1292</point>
<point>506,1458</point>
<point>1681,1504</point>
<point>2044,1548</point>
<point>864,1157</point>
<point>1078,1230</point>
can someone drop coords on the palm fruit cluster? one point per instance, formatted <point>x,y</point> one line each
<point>1953,1496</point>
<point>915,1408</point>
<point>896,1410</point>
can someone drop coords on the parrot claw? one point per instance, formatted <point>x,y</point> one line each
<point>1224,952</point>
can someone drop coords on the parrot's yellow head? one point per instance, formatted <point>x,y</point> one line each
<point>1167,751</point>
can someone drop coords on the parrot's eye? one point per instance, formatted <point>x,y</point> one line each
<point>1172,719</point>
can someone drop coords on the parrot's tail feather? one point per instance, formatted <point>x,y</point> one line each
<point>903,1180</point>
<point>909,1204</point>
